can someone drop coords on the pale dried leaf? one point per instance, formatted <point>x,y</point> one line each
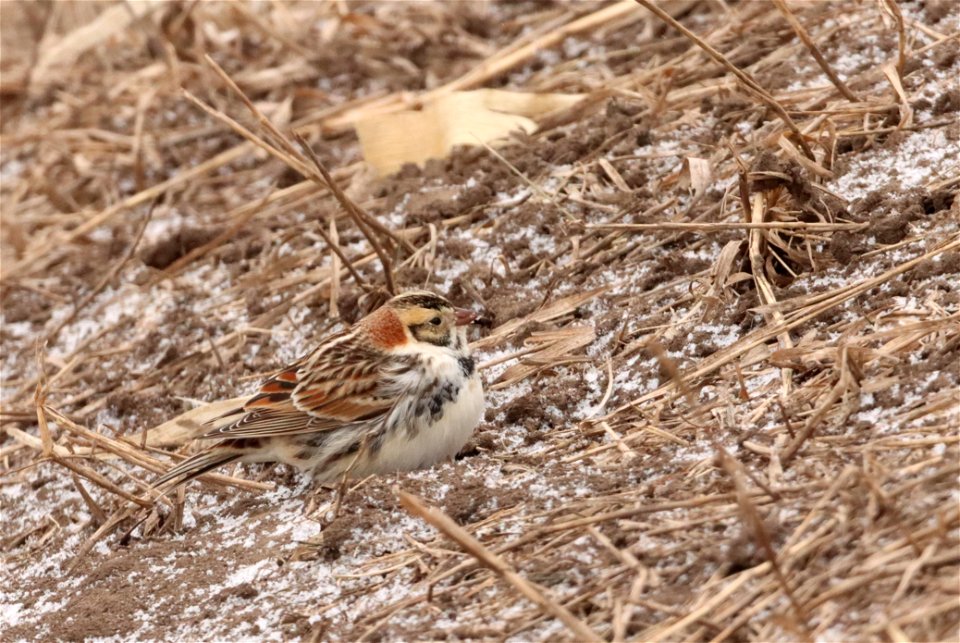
<point>458,118</point>
<point>553,310</point>
<point>697,174</point>
<point>614,176</point>
<point>906,112</point>
<point>554,347</point>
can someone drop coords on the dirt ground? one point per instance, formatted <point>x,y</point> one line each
<point>695,428</point>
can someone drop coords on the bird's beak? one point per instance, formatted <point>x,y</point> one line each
<point>465,316</point>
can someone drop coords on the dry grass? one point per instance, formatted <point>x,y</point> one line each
<point>749,494</point>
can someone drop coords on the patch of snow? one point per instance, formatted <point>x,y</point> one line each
<point>921,157</point>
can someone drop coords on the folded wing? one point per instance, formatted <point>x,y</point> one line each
<point>342,382</point>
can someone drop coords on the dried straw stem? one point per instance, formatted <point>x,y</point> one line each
<point>741,75</point>
<point>815,51</point>
<point>494,562</point>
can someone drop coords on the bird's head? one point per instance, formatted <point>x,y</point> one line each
<point>420,316</point>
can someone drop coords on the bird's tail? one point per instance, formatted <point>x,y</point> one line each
<point>197,465</point>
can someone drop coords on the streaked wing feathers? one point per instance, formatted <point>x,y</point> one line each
<point>340,383</point>
<point>267,423</point>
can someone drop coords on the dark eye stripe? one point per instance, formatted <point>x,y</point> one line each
<point>443,340</point>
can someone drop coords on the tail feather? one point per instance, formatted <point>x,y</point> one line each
<point>197,465</point>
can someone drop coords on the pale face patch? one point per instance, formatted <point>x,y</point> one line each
<point>429,325</point>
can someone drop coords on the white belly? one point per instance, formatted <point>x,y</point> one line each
<point>436,441</point>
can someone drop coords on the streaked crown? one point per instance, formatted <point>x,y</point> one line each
<point>420,299</point>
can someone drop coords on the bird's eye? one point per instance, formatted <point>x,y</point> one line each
<point>435,321</point>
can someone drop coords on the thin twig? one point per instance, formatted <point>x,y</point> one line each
<point>353,211</point>
<point>815,51</point>
<point>743,76</point>
<point>752,520</point>
<point>360,281</point>
<point>732,225</point>
<point>289,150</point>
<point>39,402</point>
<point>475,548</point>
<point>108,277</point>
<point>901,35</point>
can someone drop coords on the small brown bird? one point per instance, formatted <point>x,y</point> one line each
<point>397,391</point>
